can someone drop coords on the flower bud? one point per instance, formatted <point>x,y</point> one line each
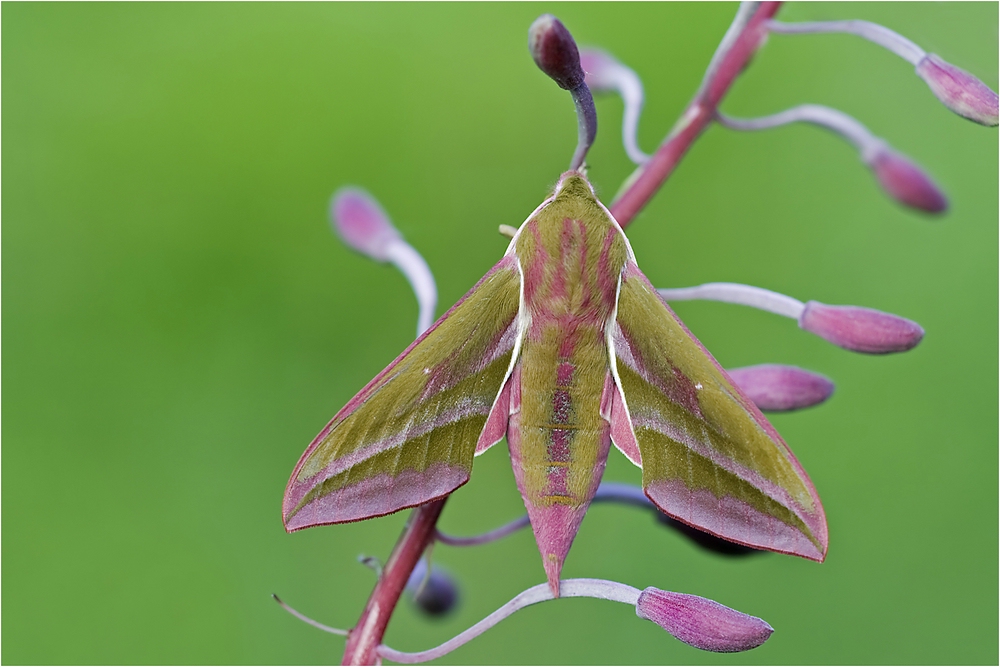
<point>779,388</point>
<point>362,224</point>
<point>555,52</point>
<point>436,595</point>
<point>601,70</point>
<point>958,90</point>
<point>702,623</point>
<point>906,182</point>
<point>861,329</point>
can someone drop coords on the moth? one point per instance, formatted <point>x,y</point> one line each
<point>564,348</point>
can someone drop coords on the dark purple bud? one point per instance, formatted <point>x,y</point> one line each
<point>861,329</point>
<point>436,595</point>
<point>555,52</point>
<point>780,388</point>
<point>706,540</point>
<point>906,182</point>
<point>958,90</point>
<point>701,622</point>
<point>362,224</point>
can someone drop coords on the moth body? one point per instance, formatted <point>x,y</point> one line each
<point>571,255</point>
<point>564,348</point>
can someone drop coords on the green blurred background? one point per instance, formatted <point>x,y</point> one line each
<point>179,321</point>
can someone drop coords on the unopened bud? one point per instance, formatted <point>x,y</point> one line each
<point>861,329</point>
<point>601,70</point>
<point>555,52</point>
<point>362,224</point>
<point>702,623</point>
<point>906,182</point>
<point>958,90</point>
<point>434,595</point>
<point>780,388</point>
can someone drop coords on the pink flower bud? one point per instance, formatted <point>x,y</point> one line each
<point>600,69</point>
<point>779,388</point>
<point>555,52</point>
<point>702,623</point>
<point>362,224</point>
<point>906,182</point>
<point>861,329</point>
<point>958,90</point>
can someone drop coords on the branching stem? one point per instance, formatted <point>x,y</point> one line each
<point>363,641</point>
<point>740,43</point>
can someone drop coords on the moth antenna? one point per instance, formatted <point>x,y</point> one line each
<point>508,231</point>
<point>554,51</point>
<point>306,619</point>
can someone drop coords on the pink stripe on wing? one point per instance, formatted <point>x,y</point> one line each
<point>380,495</point>
<point>297,489</point>
<point>731,519</point>
<point>705,450</point>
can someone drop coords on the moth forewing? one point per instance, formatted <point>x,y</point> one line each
<point>410,435</point>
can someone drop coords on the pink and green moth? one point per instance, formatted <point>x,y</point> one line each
<point>564,348</point>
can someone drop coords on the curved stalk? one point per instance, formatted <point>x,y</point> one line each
<point>742,40</point>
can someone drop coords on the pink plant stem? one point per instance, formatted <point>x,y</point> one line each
<point>696,117</point>
<point>364,639</point>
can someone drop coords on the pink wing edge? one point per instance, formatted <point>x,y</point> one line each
<point>621,426</point>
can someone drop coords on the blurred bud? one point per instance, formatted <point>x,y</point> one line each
<point>362,224</point>
<point>601,69</point>
<point>899,177</point>
<point>958,90</point>
<point>702,623</point>
<point>555,52</point>
<point>605,74</point>
<point>436,595</point>
<point>780,388</point>
<point>706,540</point>
<point>861,329</point>
<point>906,182</point>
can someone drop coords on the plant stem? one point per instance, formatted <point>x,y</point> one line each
<point>366,636</point>
<point>734,53</point>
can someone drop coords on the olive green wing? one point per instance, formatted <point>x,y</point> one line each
<point>410,435</point>
<point>709,457</point>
